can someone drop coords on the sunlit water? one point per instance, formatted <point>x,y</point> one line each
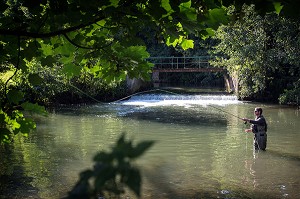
<point>200,151</point>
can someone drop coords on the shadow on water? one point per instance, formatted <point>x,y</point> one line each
<point>170,190</point>
<point>13,181</point>
<point>179,117</point>
<point>279,154</point>
<point>174,118</point>
<point>164,114</point>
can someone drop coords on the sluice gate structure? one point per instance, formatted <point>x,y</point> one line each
<point>188,64</point>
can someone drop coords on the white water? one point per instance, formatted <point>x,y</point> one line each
<point>180,100</point>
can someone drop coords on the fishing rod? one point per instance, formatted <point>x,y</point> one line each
<point>128,96</point>
<point>245,122</point>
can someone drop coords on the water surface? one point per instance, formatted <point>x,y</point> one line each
<point>200,151</point>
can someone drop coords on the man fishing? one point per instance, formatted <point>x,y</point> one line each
<point>259,129</point>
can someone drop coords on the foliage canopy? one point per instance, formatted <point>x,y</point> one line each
<point>262,51</point>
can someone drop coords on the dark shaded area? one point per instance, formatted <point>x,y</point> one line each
<point>17,185</point>
<point>14,184</point>
<point>203,79</point>
<point>171,191</point>
<point>280,154</point>
<point>178,116</point>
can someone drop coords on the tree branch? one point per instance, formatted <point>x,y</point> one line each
<point>77,45</point>
<point>17,67</point>
<point>22,33</point>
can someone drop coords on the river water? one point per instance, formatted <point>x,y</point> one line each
<point>200,150</point>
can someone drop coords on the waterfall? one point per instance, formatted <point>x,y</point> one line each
<point>180,99</point>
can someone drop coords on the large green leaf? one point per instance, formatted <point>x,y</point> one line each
<point>26,126</point>
<point>216,17</point>
<point>46,49</point>
<point>35,79</point>
<point>278,7</point>
<point>187,43</point>
<point>15,96</point>
<point>189,11</point>
<point>34,108</point>
<point>71,70</point>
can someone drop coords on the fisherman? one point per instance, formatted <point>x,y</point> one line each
<point>259,129</point>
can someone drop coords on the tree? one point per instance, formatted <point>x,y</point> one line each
<point>261,50</point>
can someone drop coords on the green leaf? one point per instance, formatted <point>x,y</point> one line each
<point>32,50</point>
<point>46,49</point>
<point>34,108</point>
<point>14,125</point>
<point>187,43</point>
<point>64,49</point>
<point>26,126</point>
<point>216,17</point>
<point>278,7</point>
<point>209,32</point>
<point>172,41</point>
<point>104,174</point>
<point>189,12</point>
<point>35,79</point>
<point>5,135</point>
<point>166,5</point>
<point>15,96</point>
<point>71,70</point>
<point>48,61</point>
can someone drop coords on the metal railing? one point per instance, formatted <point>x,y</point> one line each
<point>180,62</point>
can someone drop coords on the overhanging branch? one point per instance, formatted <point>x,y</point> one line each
<point>36,35</point>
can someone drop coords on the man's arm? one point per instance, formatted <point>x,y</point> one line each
<point>259,121</point>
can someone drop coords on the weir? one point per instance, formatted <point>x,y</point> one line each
<point>180,100</point>
<point>197,64</point>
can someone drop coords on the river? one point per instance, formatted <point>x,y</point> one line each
<point>200,150</point>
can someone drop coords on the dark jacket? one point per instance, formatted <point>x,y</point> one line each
<point>259,125</point>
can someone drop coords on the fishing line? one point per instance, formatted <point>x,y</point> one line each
<point>153,90</point>
<point>178,94</point>
<point>225,111</point>
<point>81,91</point>
<point>148,91</point>
<point>245,122</point>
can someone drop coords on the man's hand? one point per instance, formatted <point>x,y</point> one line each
<point>245,119</point>
<point>248,130</point>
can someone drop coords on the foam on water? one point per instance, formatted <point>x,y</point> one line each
<point>180,100</point>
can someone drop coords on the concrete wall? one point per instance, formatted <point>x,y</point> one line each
<point>231,83</point>
<point>136,84</point>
